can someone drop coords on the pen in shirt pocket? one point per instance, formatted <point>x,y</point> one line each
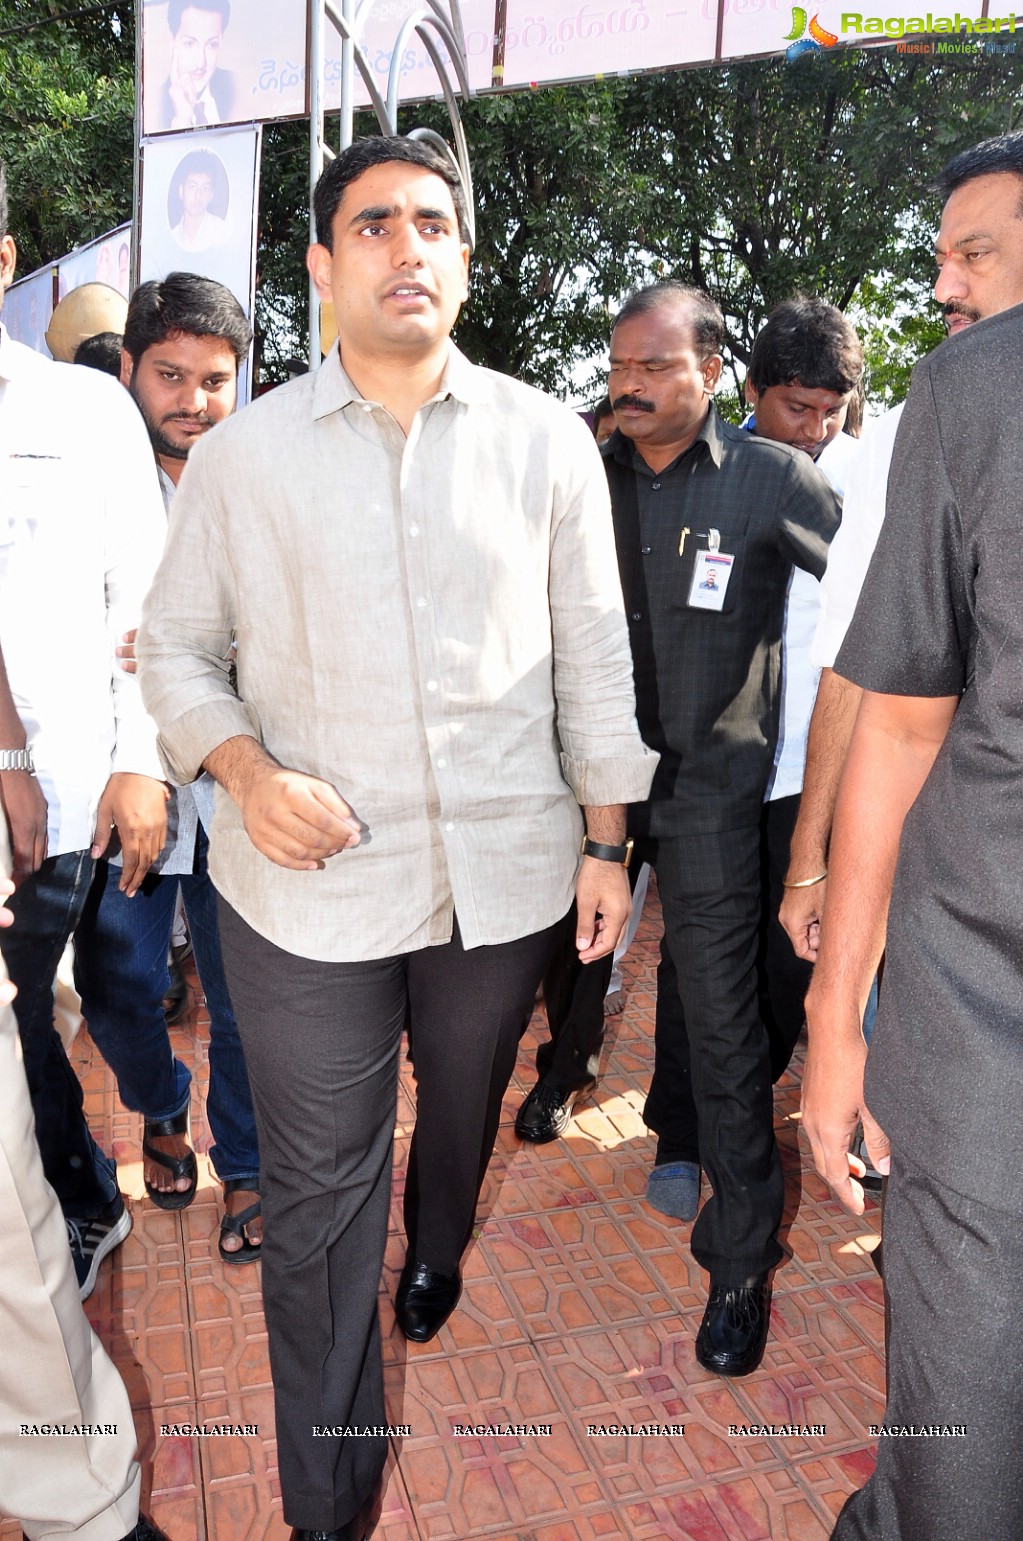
<point>712,537</point>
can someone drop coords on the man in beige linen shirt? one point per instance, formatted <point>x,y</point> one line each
<point>433,675</point>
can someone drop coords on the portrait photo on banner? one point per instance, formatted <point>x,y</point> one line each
<point>216,62</point>
<point>199,197</point>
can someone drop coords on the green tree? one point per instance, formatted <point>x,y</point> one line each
<point>66,127</point>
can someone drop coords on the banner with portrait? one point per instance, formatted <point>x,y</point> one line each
<point>28,306</point>
<point>221,61</point>
<point>103,261</point>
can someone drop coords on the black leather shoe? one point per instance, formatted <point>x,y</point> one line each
<point>424,1300</point>
<point>358,1529</point>
<point>145,1530</point>
<point>733,1332</point>
<point>547,1111</point>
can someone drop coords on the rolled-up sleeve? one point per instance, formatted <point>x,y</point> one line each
<point>603,757</point>
<point>188,623</point>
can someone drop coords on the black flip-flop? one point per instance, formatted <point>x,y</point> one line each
<point>234,1225</point>
<point>177,1166</point>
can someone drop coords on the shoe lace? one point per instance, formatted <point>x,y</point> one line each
<point>550,1096</point>
<point>743,1308</point>
<point>75,1240</point>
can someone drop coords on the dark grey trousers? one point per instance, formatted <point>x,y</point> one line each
<point>952,1270</point>
<point>321,1045</point>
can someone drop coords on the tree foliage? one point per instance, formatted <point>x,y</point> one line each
<point>66,123</point>
<point>753,181</point>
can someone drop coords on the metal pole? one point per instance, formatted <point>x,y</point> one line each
<point>314,75</point>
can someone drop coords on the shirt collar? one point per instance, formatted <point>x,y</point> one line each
<point>334,390</point>
<point>710,434</point>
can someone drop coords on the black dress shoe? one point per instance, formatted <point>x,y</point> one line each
<point>424,1300</point>
<point>357,1529</point>
<point>547,1111</point>
<point>733,1332</point>
<point>145,1530</point>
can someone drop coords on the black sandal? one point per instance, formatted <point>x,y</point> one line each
<point>234,1225</point>
<point>177,1166</point>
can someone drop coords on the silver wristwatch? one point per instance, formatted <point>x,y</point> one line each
<point>17,759</point>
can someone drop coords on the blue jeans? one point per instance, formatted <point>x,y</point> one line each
<point>46,908</point>
<point>121,972</point>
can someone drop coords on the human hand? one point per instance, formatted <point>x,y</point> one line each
<point>137,807</point>
<point>832,1100</point>
<point>126,651</point>
<point>603,902</point>
<point>297,821</point>
<point>22,800</point>
<point>800,916</point>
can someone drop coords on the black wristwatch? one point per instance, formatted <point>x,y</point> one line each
<point>17,759</point>
<point>619,853</point>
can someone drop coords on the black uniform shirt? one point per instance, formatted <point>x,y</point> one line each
<point>707,694</point>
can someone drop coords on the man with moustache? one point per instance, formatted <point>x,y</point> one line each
<point>197,92</point>
<point>449,676</point>
<point>924,862</point>
<point>979,252</point>
<point>691,496</point>
<point>184,339</point>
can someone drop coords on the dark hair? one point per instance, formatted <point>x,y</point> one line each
<point>199,162</point>
<point>184,302</point>
<point>809,341</point>
<point>377,151</point>
<point>703,315</point>
<point>5,213</point>
<point>176,9</point>
<point>1003,153</point>
<point>101,352</point>
<point>602,409</point>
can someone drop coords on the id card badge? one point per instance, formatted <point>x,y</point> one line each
<point>711,573</point>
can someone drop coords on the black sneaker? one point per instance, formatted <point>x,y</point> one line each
<point>91,1240</point>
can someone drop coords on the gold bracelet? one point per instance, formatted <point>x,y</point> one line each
<point>807,882</point>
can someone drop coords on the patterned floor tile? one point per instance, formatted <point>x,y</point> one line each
<point>579,1312</point>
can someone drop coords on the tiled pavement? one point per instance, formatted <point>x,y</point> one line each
<point>580,1308</point>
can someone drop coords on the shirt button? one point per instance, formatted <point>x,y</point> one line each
<point>421,602</point>
<point>646,550</point>
<point>431,684</point>
<point>413,529</point>
<point>442,764</point>
<point>637,615</point>
<point>656,486</point>
<point>449,828</point>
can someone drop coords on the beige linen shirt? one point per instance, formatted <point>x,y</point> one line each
<point>433,624</point>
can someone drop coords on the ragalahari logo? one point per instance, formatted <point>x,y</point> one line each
<point>798,39</point>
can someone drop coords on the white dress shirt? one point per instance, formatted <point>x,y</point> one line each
<point>433,624</point>
<point>853,546</point>
<point>802,610</point>
<point>81,531</point>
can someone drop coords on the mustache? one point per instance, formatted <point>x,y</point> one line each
<point>633,401</point>
<point>953,308</point>
<point>188,417</point>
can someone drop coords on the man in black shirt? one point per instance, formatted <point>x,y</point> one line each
<point>693,496</point>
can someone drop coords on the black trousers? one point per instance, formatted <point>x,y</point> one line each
<point>783,978</point>
<point>952,1268</point>
<point>711,1060</point>
<point>321,1044</point>
<point>574,993</point>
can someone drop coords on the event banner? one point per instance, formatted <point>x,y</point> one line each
<point>104,261</point>
<point>214,63</point>
<point>28,306</point>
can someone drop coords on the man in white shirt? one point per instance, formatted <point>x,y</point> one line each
<point>81,530</point>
